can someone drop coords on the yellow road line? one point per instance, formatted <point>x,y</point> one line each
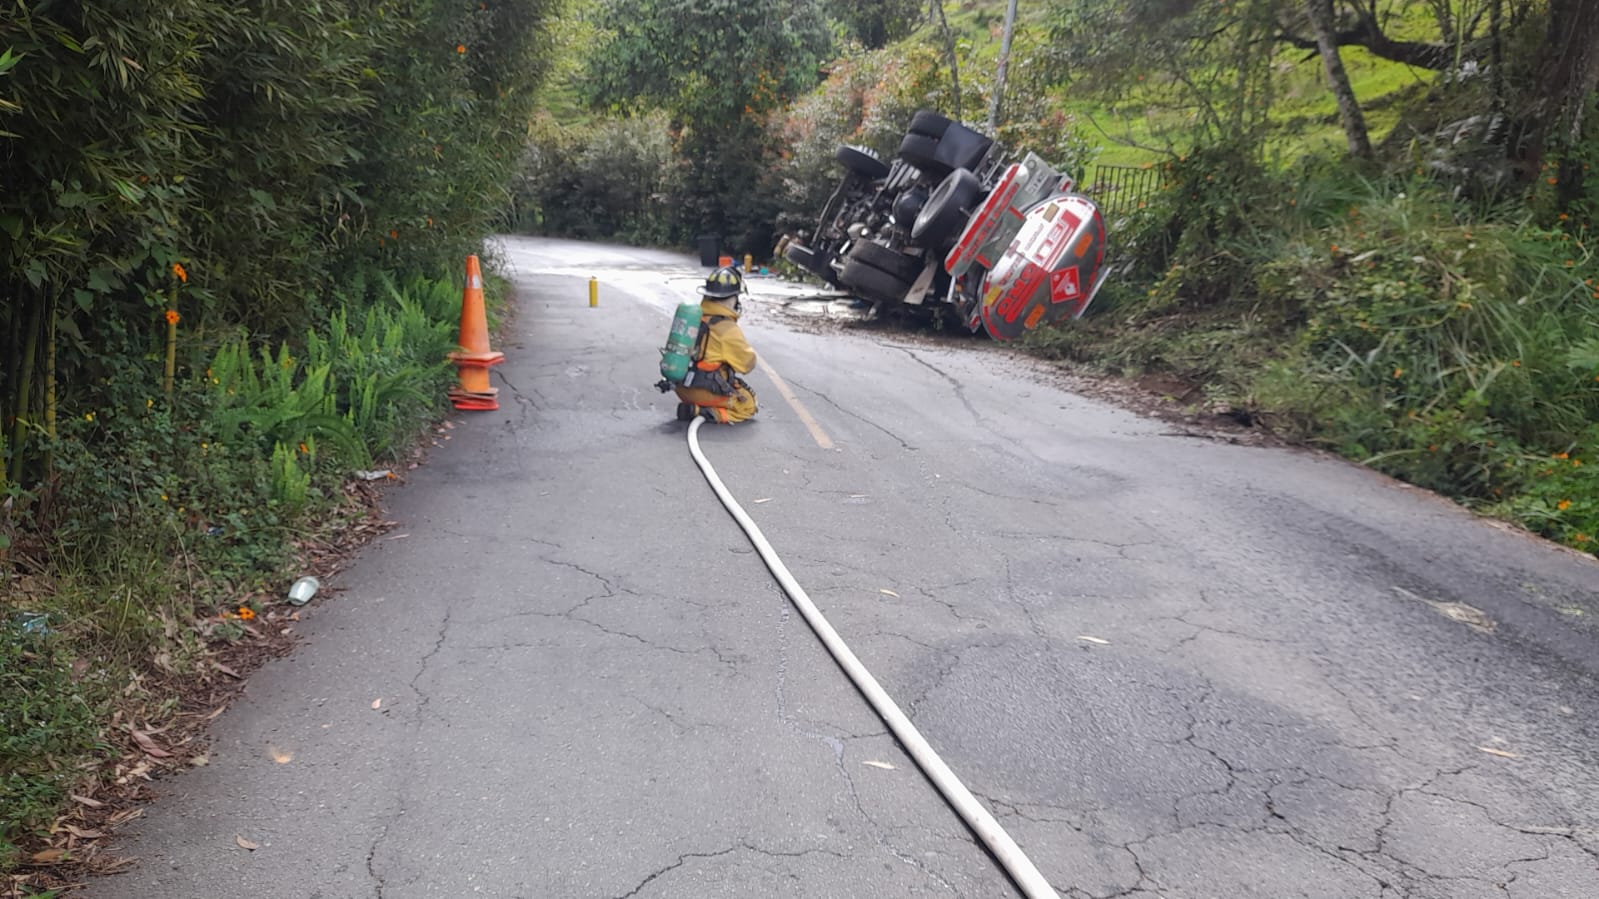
<point>817,434</point>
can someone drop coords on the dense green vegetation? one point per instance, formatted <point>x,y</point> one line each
<point>227,238</point>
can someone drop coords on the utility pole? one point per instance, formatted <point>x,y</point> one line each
<point>1004,63</point>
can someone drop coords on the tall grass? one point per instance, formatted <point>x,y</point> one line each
<point>1448,342</point>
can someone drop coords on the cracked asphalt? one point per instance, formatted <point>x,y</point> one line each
<point>1171,666</point>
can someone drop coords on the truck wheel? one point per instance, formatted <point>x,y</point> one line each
<point>929,123</point>
<point>873,283</point>
<point>810,260</point>
<point>862,162</point>
<point>947,210</point>
<point>918,149</point>
<point>903,266</point>
<point>961,148</point>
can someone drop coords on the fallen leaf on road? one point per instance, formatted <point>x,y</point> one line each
<point>82,834</point>
<point>377,703</point>
<point>200,761</point>
<point>245,844</point>
<point>49,856</point>
<point>87,802</point>
<point>764,499</point>
<point>124,816</point>
<point>149,745</point>
<point>1567,710</point>
<point>1470,616</point>
<point>888,592</point>
<point>399,536</point>
<point>1499,752</point>
<point>1101,641</point>
<point>226,670</point>
<point>279,756</point>
<point>884,765</point>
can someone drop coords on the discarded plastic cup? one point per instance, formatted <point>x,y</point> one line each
<point>303,590</point>
<point>31,623</point>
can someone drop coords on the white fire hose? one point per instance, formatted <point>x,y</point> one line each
<point>1010,856</point>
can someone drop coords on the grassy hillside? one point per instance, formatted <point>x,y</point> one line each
<point>1133,134</point>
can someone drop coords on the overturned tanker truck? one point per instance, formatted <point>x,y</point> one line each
<point>1008,246</point>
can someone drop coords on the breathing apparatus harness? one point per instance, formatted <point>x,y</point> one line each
<point>723,284</point>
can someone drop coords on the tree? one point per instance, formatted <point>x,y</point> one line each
<point>718,68</point>
<point>874,23</point>
<point>1320,13</point>
<point>707,62</point>
<point>1209,60</point>
<point>1566,73</point>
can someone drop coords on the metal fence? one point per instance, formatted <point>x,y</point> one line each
<point>1122,189</point>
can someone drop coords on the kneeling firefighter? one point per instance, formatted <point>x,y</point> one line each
<point>709,383</point>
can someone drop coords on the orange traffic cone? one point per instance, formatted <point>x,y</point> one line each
<point>475,357</point>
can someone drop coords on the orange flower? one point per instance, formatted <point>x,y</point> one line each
<point>1398,372</point>
<point>1581,538</point>
<point>173,317</point>
<point>246,613</point>
<point>394,235</point>
<point>1562,455</point>
<point>1515,363</point>
<point>460,48</point>
<point>1563,505</point>
<point>304,450</point>
<point>179,273</point>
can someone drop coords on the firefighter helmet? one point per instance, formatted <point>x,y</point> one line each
<point>723,283</point>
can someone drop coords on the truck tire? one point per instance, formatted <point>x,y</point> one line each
<point>928,123</point>
<point>901,265</point>
<point>862,162</point>
<point>810,260</point>
<point>918,149</point>
<point>947,210</point>
<point>961,148</point>
<point>873,283</point>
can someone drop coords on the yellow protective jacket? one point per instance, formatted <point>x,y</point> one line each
<point>723,342</point>
<point>722,353</point>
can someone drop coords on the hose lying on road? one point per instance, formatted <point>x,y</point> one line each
<point>1010,856</point>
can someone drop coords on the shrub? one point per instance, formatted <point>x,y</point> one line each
<point>45,722</point>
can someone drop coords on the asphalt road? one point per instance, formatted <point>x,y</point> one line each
<point>1171,666</point>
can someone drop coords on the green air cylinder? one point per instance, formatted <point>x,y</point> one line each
<point>676,355</point>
